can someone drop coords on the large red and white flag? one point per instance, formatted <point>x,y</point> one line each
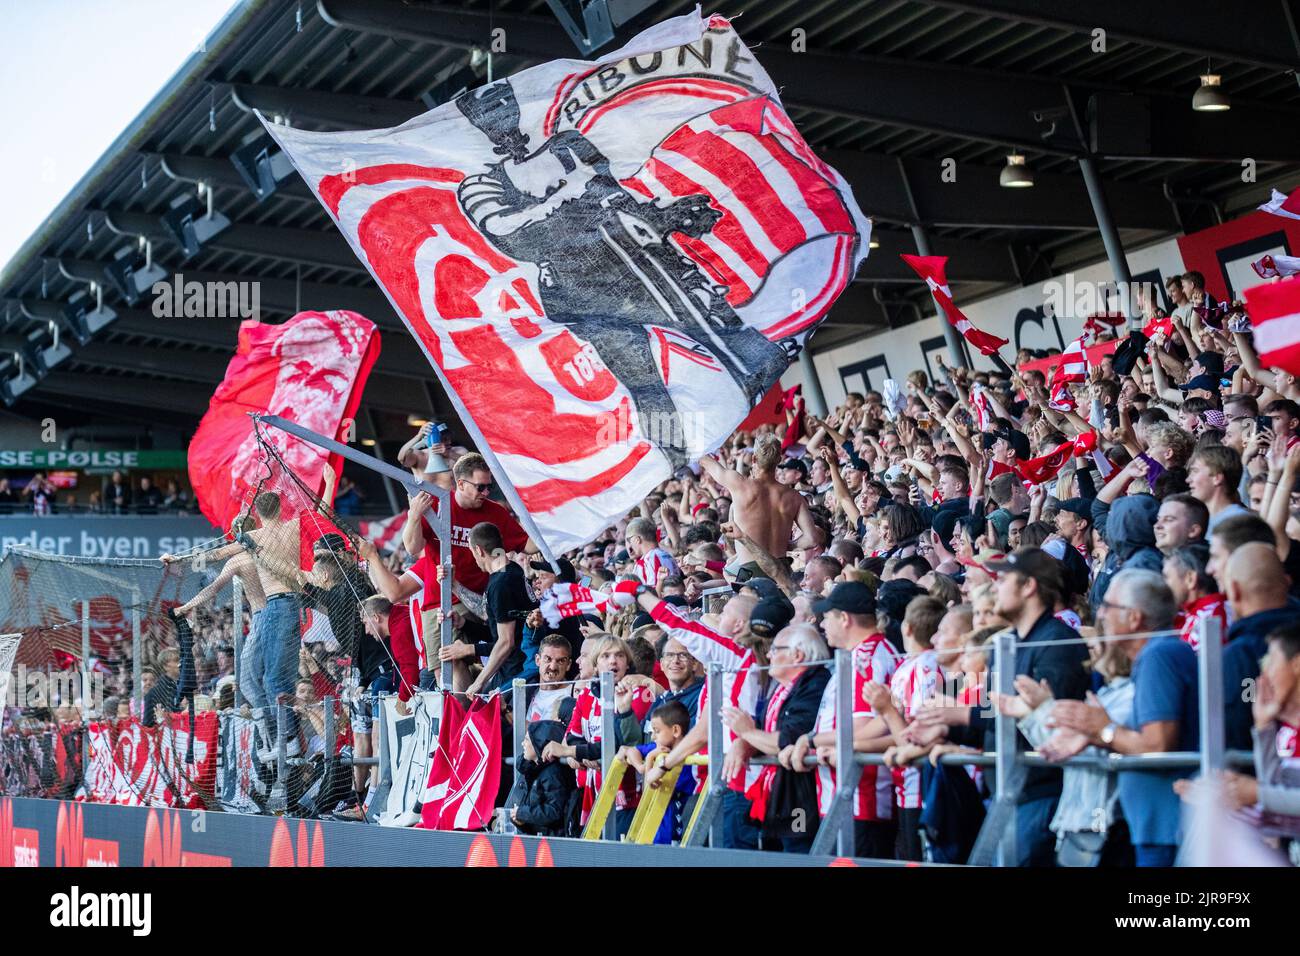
<point>1283,205</point>
<point>1274,310</point>
<point>466,769</point>
<point>311,370</point>
<point>931,269</point>
<point>608,263</point>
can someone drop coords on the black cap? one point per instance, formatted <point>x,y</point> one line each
<point>765,588</point>
<point>798,464</point>
<point>1212,362</point>
<point>770,615</point>
<point>852,596</point>
<point>622,557</point>
<point>1032,563</point>
<point>332,541</point>
<point>1209,383</point>
<point>567,573</point>
<point>1079,506</point>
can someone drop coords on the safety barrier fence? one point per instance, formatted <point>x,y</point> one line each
<point>835,834</point>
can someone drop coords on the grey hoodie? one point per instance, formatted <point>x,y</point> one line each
<point>1131,535</point>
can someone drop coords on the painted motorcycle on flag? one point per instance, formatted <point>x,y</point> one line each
<point>608,263</point>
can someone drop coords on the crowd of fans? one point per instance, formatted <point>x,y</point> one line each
<point>909,527</point>
<point>1111,531</point>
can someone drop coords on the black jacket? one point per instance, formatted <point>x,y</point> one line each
<point>1063,666</point>
<point>548,787</point>
<point>793,792</point>
<point>1246,645</point>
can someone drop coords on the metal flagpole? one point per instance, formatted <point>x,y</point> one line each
<point>441,523</point>
<point>1004,731</point>
<point>237,606</point>
<point>607,744</point>
<point>137,665</point>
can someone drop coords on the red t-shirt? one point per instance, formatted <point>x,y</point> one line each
<point>401,642</point>
<point>463,566</point>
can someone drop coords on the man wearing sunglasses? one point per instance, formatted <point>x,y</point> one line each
<point>470,505</point>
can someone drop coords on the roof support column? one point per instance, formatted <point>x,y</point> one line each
<point>1109,234</point>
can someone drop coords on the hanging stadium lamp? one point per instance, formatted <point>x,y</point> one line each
<point>1210,98</point>
<point>1015,174</point>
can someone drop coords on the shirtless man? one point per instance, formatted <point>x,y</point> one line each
<point>764,510</point>
<point>243,567</point>
<point>274,550</point>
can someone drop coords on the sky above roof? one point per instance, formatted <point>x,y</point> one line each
<point>73,75</point>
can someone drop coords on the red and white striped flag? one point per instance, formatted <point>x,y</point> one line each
<point>1270,267</point>
<point>1073,365</point>
<point>931,269</point>
<point>386,534</point>
<point>572,600</point>
<point>1283,205</point>
<point>1274,310</point>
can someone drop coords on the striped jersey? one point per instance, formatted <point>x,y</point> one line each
<point>1202,609</point>
<point>739,679</point>
<point>648,566</point>
<point>585,723</point>
<point>917,680</point>
<point>873,660</point>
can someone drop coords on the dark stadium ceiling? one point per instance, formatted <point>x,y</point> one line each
<point>887,90</point>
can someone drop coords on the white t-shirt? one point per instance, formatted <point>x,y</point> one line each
<point>545,702</point>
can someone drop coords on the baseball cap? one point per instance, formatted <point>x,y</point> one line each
<point>1079,506</point>
<point>567,573</point>
<point>770,615</point>
<point>1032,563</point>
<point>1209,383</point>
<point>797,464</point>
<point>852,596</point>
<point>622,557</point>
<point>765,588</point>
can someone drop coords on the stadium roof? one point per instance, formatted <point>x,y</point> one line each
<point>888,90</point>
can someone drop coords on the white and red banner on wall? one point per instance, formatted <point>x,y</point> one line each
<point>136,766</point>
<point>608,263</point>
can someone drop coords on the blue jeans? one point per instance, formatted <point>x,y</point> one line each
<point>739,832</point>
<point>280,637</point>
<point>1035,843</point>
<point>252,667</point>
<point>1154,854</point>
